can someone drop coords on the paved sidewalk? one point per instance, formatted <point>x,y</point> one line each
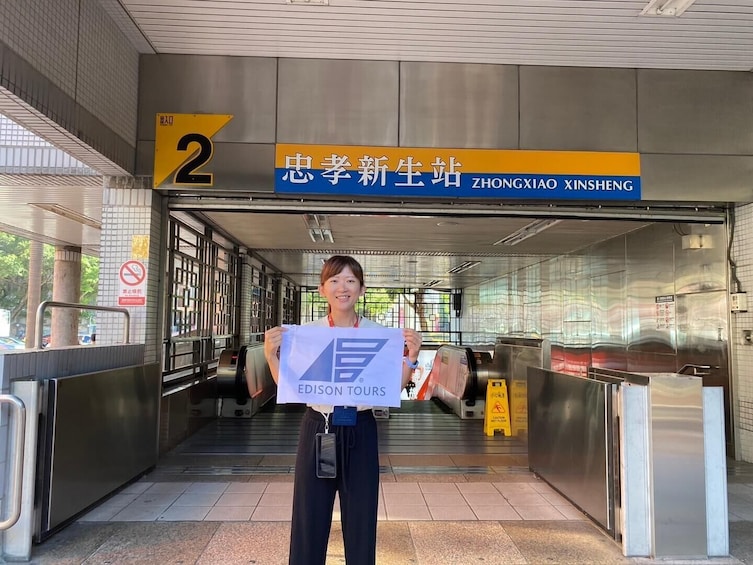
<point>424,520</point>
<point>272,502</point>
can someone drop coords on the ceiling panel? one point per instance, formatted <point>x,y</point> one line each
<point>401,250</point>
<point>54,209</point>
<point>405,250</point>
<point>711,34</point>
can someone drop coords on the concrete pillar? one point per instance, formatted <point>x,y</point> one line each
<point>132,225</point>
<point>66,287</point>
<point>33,291</point>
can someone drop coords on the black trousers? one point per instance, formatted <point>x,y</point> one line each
<point>357,482</point>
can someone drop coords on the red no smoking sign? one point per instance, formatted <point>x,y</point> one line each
<point>132,273</point>
<point>132,282</point>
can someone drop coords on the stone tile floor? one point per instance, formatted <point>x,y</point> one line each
<point>423,520</point>
<point>146,501</point>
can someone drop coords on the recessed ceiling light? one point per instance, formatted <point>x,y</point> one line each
<point>68,214</point>
<point>463,267</point>
<point>534,228</point>
<point>666,8</point>
<point>448,223</point>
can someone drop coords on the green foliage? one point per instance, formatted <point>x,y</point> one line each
<point>14,265</point>
<point>14,277</point>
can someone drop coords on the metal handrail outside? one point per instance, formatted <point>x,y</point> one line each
<point>14,489</point>
<point>54,304</point>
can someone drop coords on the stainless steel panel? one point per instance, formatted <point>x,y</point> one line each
<point>458,105</point>
<point>679,478</point>
<point>62,362</point>
<point>552,307</point>
<point>532,298</point>
<point>244,166</point>
<point>696,178</point>
<point>337,102</point>
<point>650,254</point>
<point>512,357</point>
<point>635,525</point>
<point>577,109</point>
<point>717,507</point>
<point>647,361</point>
<point>102,433</point>
<point>702,338</point>
<point>703,112</point>
<point>608,256</point>
<point>570,441</point>
<point>200,84</point>
<point>609,322</point>
<point>576,324</point>
<point>516,305</point>
<point>17,540</point>
<point>700,258</point>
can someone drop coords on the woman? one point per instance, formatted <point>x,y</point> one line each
<point>357,480</point>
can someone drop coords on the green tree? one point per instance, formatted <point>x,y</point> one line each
<point>14,277</point>
<point>14,272</point>
<point>89,286</point>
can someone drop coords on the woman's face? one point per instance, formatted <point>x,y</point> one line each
<point>342,290</point>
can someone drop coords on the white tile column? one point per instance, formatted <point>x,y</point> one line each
<point>132,230</point>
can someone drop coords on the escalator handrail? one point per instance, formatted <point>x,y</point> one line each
<point>241,385</point>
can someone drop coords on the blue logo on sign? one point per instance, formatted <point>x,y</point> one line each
<point>343,360</point>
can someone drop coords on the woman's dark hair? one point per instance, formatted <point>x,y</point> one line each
<point>336,265</point>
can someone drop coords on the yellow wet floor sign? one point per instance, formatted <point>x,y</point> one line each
<point>519,406</point>
<point>497,411</point>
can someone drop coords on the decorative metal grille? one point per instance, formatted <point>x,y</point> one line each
<point>201,301</point>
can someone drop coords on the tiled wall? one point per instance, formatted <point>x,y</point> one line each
<point>742,355</point>
<point>107,71</point>
<point>78,47</point>
<point>131,212</point>
<point>44,32</point>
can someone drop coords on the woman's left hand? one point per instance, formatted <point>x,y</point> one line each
<point>413,342</point>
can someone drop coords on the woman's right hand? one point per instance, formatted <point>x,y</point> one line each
<point>272,342</point>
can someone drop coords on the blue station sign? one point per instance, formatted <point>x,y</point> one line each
<point>456,173</point>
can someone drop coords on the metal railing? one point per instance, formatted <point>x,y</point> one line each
<point>14,488</point>
<point>52,304</point>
